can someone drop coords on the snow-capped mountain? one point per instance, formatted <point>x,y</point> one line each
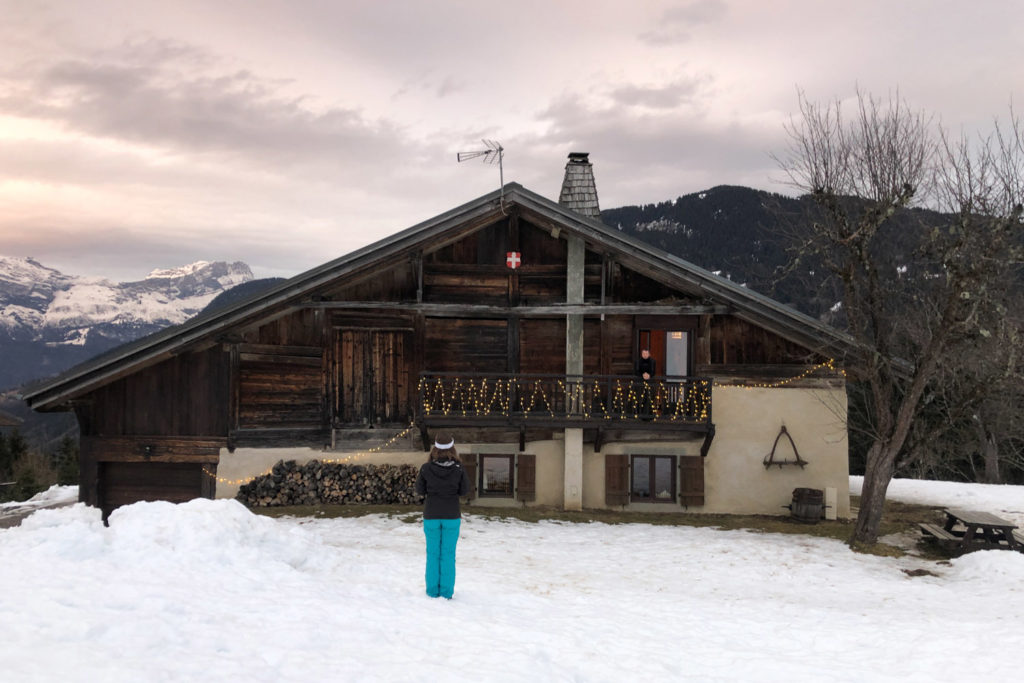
<point>50,320</point>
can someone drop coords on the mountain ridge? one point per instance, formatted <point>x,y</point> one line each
<point>50,320</point>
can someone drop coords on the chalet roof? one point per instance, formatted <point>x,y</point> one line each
<point>203,330</point>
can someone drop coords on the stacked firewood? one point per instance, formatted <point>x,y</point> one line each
<point>314,483</point>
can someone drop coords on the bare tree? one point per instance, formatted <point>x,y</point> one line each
<point>911,293</point>
<point>970,428</point>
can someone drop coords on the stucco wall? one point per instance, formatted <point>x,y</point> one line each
<point>736,481</point>
<point>748,420</point>
<point>245,463</point>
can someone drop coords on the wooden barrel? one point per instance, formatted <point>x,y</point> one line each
<point>807,505</point>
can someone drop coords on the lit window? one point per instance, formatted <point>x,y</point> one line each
<point>653,479</point>
<point>496,476</point>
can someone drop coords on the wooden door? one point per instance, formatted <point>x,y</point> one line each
<point>124,483</point>
<point>371,377</point>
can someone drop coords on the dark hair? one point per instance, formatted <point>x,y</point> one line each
<point>443,453</point>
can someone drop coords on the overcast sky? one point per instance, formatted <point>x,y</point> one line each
<point>137,134</point>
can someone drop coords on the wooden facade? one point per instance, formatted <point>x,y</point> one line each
<point>362,342</point>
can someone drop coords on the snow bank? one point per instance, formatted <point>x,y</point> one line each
<point>208,591</point>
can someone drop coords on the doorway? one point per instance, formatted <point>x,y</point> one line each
<point>670,350</point>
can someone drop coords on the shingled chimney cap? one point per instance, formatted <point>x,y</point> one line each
<point>579,191</point>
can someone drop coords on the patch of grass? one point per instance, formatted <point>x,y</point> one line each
<point>407,513</point>
<point>896,518</point>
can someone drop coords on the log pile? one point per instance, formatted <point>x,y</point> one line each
<point>314,483</point>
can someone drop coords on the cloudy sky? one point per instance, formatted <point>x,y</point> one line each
<point>137,134</point>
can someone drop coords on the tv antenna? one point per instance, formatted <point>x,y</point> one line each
<point>494,153</point>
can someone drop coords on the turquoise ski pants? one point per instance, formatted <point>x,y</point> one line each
<point>442,535</point>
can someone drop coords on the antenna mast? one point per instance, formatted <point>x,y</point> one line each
<point>494,152</point>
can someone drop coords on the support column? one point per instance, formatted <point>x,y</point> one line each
<point>573,469</point>
<point>573,495</point>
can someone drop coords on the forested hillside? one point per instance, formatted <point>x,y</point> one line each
<point>743,234</point>
<point>747,236</point>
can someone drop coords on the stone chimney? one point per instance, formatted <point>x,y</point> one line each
<point>579,192</point>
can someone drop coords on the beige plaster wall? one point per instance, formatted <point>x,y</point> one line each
<point>748,420</point>
<point>245,463</point>
<point>735,478</point>
<point>736,481</point>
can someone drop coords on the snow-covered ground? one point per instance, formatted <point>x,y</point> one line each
<point>209,591</point>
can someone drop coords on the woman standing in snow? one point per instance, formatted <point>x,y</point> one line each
<point>442,480</point>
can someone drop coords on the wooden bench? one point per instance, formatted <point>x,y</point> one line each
<point>944,538</point>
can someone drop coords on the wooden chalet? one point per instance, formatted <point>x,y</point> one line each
<point>513,321</point>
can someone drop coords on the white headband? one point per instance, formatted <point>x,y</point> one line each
<point>444,446</point>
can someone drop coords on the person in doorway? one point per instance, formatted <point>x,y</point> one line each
<point>645,367</point>
<point>442,480</point>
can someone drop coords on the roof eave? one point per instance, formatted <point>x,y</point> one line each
<point>51,393</point>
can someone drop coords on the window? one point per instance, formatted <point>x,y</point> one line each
<point>496,476</point>
<point>653,479</point>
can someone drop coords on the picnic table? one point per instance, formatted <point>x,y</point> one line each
<point>968,530</point>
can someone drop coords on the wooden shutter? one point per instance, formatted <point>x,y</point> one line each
<point>526,477</point>
<point>691,480</point>
<point>616,479</point>
<point>469,464</point>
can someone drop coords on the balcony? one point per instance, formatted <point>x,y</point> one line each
<point>521,401</point>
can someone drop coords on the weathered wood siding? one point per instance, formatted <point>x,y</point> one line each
<point>472,284</point>
<point>484,246</point>
<point>394,283</point>
<point>618,345</point>
<point>542,346</point>
<point>539,247</point>
<point>299,328</point>
<point>202,450</point>
<point>184,395</point>
<point>734,341</point>
<point>466,345</point>
<point>629,286</point>
<point>280,386</point>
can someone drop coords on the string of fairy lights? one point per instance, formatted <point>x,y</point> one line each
<point>655,400</point>
<point>623,398</point>
<point>465,397</point>
<point>352,457</point>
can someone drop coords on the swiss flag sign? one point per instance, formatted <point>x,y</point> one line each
<point>513,259</point>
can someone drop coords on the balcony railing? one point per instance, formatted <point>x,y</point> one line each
<point>560,400</point>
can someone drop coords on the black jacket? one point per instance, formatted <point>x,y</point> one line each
<point>645,365</point>
<point>442,485</point>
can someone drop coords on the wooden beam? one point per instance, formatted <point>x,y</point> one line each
<point>513,276</point>
<point>194,449</point>
<point>551,310</point>
<point>706,445</point>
